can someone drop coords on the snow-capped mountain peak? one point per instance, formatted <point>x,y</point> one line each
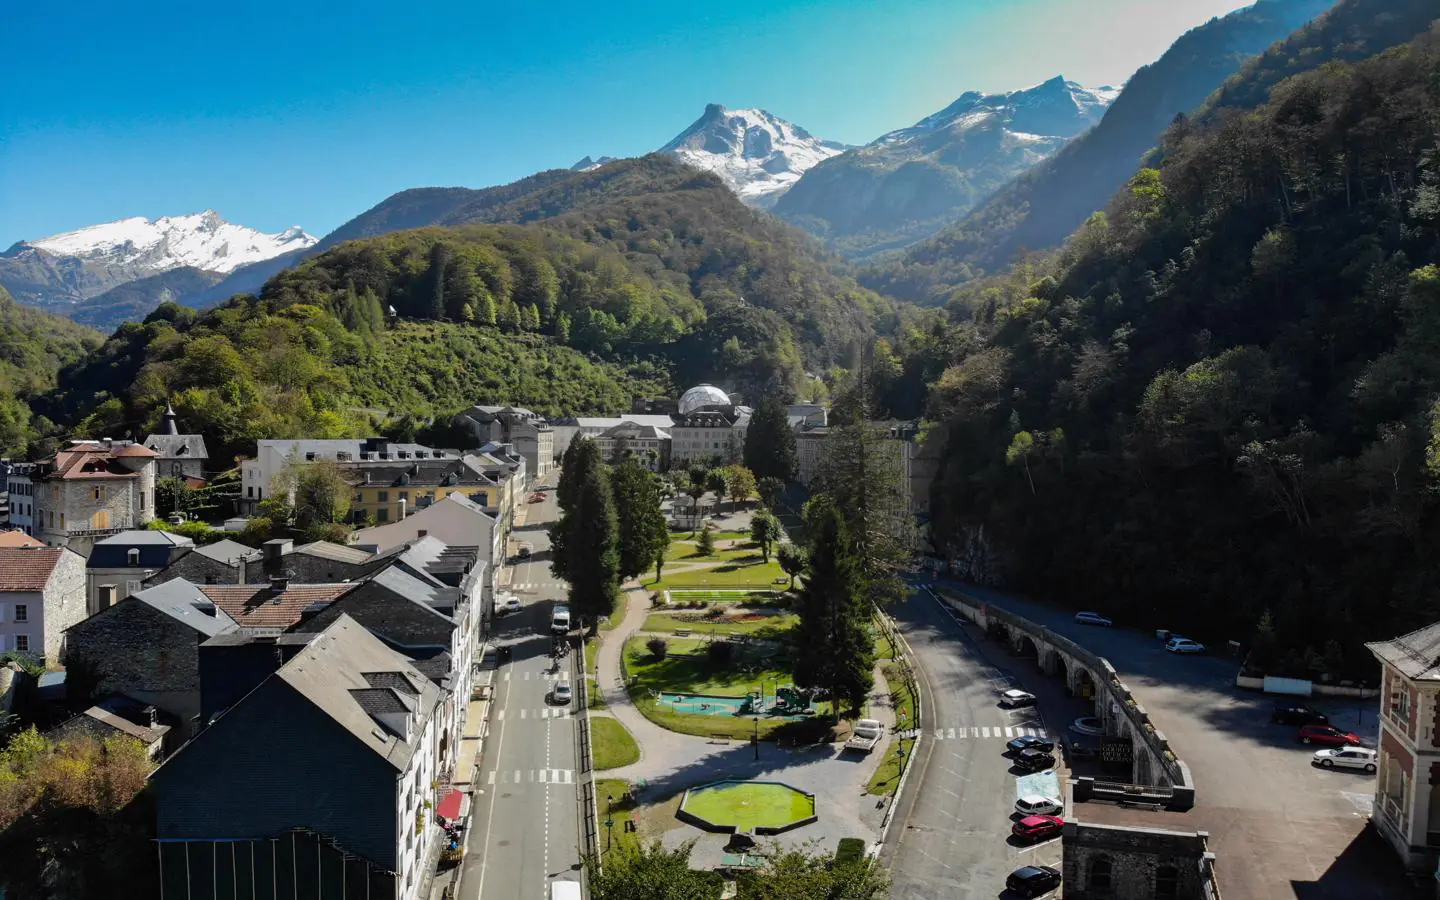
<point>143,246</point>
<point>586,164</point>
<point>1053,108</point>
<point>757,154</point>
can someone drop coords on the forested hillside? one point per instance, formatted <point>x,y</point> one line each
<point>33,347</point>
<point>1216,411</point>
<point>1040,208</point>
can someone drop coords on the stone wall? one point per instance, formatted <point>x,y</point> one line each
<point>196,568</point>
<point>302,568</point>
<point>140,651</point>
<point>1124,863</point>
<point>64,603</point>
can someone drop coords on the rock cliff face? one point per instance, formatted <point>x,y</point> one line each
<point>907,184</point>
<point>975,558</point>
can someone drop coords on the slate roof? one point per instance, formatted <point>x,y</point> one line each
<point>336,552</point>
<point>434,557</point>
<point>28,568</point>
<point>1416,655</point>
<point>185,603</point>
<point>228,552</point>
<point>423,473</point>
<point>112,713</point>
<point>155,549</point>
<point>260,606</point>
<point>422,590</point>
<point>636,431</point>
<point>178,446</point>
<point>345,660</point>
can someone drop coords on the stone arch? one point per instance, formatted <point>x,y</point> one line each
<point>1099,877</point>
<point>1025,646</point>
<point>1059,665</point>
<point>1085,685</point>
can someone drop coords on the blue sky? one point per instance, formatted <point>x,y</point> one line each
<point>308,113</point>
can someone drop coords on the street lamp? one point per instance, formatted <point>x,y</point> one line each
<point>609,821</point>
<point>756,739</point>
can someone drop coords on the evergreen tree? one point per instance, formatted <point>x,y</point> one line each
<point>770,442</point>
<point>793,560</point>
<point>530,318</point>
<point>439,263</point>
<point>580,462</point>
<point>643,533</point>
<point>484,308</point>
<point>562,328</point>
<point>765,531</point>
<point>769,488</point>
<point>833,645</point>
<point>862,472</point>
<point>584,545</point>
<point>508,316</point>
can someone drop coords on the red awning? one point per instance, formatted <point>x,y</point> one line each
<point>450,807</point>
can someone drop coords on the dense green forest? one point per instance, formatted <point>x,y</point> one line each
<point>1217,406</point>
<point>33,347</point>
<point>1040,208</point>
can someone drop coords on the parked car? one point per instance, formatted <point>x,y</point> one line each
<point>1327,734</point>
<point>1184,645</point>
<point>1034,760</point>
<point>1362,758</point>
<point>560,693</point>
<point>1088,725</point>
<point>1037,828</point>
<point>866,735</point>
<point>1030,742</point>
<point>510,605</point>
<point>1036,805</point>
<point>1013,699</point>
<point>1288,713</point>
<point>1032,881</point>
<point>1093,618</point>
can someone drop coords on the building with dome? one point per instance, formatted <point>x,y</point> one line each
<point>703,396</point>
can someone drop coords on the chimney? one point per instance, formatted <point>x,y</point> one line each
<point>279,584</point>
<point>274,549</point>
<point>153,715</point>
<point>420,533</point>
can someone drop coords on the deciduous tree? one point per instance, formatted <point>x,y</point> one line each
<point>765,531</point>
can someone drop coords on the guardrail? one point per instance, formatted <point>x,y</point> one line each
<point>589,812</point>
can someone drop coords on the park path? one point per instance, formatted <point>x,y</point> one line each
<point>671,762</point>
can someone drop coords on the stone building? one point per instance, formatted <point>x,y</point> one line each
<point>118,565</point>
<point>709,437</point>
<point>390,493</point>
<point>20,488</point>
<point>147,646</point>
<point>648,445</point>
<point>1407,789</point>
<point>330,760</point>
<point>1115,862</point>
<point>274,456</point>
<point>42,592</point>
<point>528,432</point>
<point>177,455</point>
<point>91,490</point>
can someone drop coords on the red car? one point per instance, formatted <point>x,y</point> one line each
<point>1036,828</point>
<point>1327,734</point>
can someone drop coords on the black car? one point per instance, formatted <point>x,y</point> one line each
<point>1034,760</point>
<point>1032,881</point>
<point>1030,742</point>
<point>1297,714</point>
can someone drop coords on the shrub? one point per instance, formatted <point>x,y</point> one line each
<point>705,544</point>
<point>658,647</point>
<point>720,653</point>
<point>850,850</point>
<point>714,612</point>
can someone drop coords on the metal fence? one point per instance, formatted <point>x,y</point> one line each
<point>589,813</point>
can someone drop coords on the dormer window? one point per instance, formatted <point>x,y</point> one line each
<point>310,457</point>
<point>402,454</point>
<point>132,558</point>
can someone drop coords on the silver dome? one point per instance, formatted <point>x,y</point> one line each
<point>701,396</point>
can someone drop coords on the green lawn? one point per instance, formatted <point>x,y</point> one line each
<point>735,573</point>
<point>592,694</point>
<point>769,628</point>
<point>592,651</point>
<point>683,673</point>
<point>900,692</point>
<point>619,812</point>
<point>686,550</point>
<point>612,744</point>
<point>887,777</point>
<point>747,805</point>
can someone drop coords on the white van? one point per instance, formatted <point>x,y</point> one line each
<point>565,890</point>
<point>560,620</point>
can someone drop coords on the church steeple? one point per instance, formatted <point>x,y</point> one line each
<point>167,421</point>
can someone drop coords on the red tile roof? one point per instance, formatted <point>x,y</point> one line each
<point>88,464</point>
<point>27,568</point>
<point>257,606</point>
<point>18,539</point>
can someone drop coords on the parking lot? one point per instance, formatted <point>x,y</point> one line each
<point>1279,826</point>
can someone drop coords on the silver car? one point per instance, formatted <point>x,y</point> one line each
<point>1093,618</point>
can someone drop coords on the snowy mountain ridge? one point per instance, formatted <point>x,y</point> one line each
<point>759,155</point>
<point>143,246</point>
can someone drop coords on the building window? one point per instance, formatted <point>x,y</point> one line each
<point>384,496</point>
<point>250,490</point>
<point>62,521</point>
<point>97,493</point>
<point>1167,881</point>
<point>404,495</point>
<point>22,643</point>
<point>132,558</point>
<point>22,612</point>
<point>142,499</point>
<point>382,514</point>
<point>1099,874</point>
<point>1400,704</point>
<point>309,457</point>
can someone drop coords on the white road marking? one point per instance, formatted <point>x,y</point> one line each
<point>492,778</point>
<point>500,715</point>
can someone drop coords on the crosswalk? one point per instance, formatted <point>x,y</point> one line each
<point>982,732</point>
<point>532,776</point>
<point>546,712</point>
<point>536,585</point>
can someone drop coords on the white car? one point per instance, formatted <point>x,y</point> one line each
<point>1184,645</point>
<point>1093,618</point>
<point>1013,699</point>
<point>560,693</point>
<point>1035,805</point>
<point>510,605</point>
<point>1361,758</point>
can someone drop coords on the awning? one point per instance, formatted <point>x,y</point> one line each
<point>450,807</point>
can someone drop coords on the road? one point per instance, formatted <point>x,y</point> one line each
<point>525,820</point>
<point>950,834</point>
<point>1280,827</point>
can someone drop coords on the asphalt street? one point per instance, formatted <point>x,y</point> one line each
<point>950,837</point>
<point>525,819</point>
